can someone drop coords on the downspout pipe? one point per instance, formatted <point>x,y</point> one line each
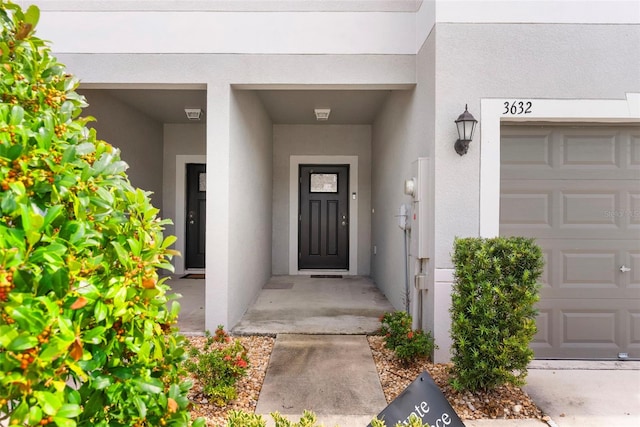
<point>407,297</point>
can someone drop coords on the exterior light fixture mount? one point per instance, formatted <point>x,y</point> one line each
<point>466,125</point>
<point>193,114</point>
<point>322,114</point>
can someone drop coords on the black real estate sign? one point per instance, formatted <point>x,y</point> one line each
<point>424,399</point>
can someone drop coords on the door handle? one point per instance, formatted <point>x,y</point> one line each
<point>191,220</point>
<point>625,269</point>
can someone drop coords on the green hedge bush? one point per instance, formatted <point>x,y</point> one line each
<point>86,338</point>
<point>493,314</point>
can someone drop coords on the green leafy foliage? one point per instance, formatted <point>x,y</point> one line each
<point>408,344</point>
<point>308,419</point>
<point>493,314</point>
<point>243,419</point>
<point>414,421</point>
<point>219,366</point>
<point>86,338</point>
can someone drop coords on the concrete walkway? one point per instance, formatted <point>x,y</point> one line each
<point>332,375</point>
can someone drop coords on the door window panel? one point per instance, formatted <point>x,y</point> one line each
<point>324,183</point>
<point>202,181</point>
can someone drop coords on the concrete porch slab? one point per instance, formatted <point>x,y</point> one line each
<point>306,305</point>
<point>192,306</point>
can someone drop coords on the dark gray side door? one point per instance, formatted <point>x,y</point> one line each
<point>196,216</point>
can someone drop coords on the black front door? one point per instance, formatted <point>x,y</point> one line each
<point>323,226</point>
<point>196,215</point>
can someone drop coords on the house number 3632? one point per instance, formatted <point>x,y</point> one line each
<point>518,107</point>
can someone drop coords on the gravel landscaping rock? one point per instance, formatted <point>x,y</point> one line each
<point>507,402</point>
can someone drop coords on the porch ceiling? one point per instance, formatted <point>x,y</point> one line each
<point>162,105</point>
<point>283,106</point>
<point>347,106</point>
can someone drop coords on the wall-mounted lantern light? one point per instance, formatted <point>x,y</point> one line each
<point>466,125</point>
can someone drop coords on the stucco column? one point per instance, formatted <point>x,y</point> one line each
<point>217,239</point>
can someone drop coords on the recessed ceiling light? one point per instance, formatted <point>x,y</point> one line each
<point>322,114</point>
<point>193,113</point>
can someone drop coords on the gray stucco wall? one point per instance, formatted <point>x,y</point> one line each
<point>138,136</point>
<point>353,140</point>
<point>476,61</point>
<point>402,132</point>
<point>250,167</point>
<point>213,69</point>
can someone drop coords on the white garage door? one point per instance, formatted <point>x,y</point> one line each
<point>576,189</point>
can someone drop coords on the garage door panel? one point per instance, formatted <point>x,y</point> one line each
<point>634,328</point>
<point>527,151</point>
<point>588,209</point>
<point>592,270</point>
<point>634,265</point>
<point>589,326</point>
<point>585,150</point>
<point>531,209</point>
<point>634,151</point>
<point>575,331</point>
<point>578,209</point>
<point>561,153</point>
<point>633,213</point>
<point>576,190</point>
<point>544,322</point>
<point>549,263</point>
<point>616,294</point>
<point>596,270</point>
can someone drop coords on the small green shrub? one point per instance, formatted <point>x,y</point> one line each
<point>414,421</point>
<point>308,419</point>
<point>219,367</point>
<point>408,344</point>
<point>237,418</point>
<point>493,314</point>
<point>243,419</point>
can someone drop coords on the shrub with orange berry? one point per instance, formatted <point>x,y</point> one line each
<point>86,337</point>
<point>219,366</point>
<point>221,335</point>
<point>408,344</point>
